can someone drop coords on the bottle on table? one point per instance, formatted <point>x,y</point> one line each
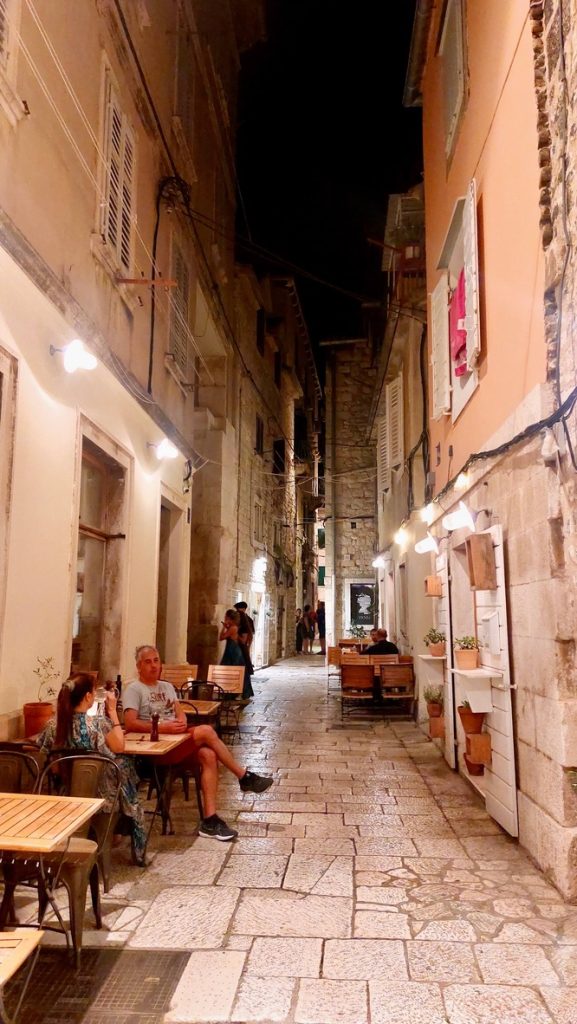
<point>154,719</point>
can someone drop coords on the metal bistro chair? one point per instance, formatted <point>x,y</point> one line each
<point>200,691</point>
<point>19,767</point>
<point>76,866</point>
<point>357,681</point>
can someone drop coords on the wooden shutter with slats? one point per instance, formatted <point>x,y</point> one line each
<point>383,469</point>
<point>180,305</point>
<point>439,328</point>
<point>395,416</point>
<point>119,185</point>
<point>471,267</point>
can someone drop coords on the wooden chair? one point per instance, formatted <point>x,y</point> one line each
<point>179,675</point>
<point>405,659</point>
<point>357,684</point>
<point>15,948</point>
<point>377,660</point>
<point>333,661</point>
<point>348,642</point>
<point>353,658</point>
<point>398,684</point>
<point>231,679</point>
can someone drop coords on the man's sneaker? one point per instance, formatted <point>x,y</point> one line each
<point>217,829</point>
<point>253,783</point>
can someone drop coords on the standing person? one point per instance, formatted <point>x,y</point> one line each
<point>321,626</point>
<point>73,728</point>
<point>308,629</point>
<point>236,631</point>
<point>149,693</point>
<point>241,606</point>
<point>299,631</point>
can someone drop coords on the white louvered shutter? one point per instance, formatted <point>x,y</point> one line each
<point>383,468</point>
<point>4,33</point>
<point>120,156</point>
<point>395,415</point>
<point>179,309</point>
<point>439,327</point>
<point>471,267</point>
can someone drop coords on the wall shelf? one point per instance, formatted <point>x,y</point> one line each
<point>478,673</point>
<point>432,657</point>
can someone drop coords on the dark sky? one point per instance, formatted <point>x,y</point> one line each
<point>323,138</point>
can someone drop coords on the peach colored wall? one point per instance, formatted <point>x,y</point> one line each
<point>497,145</point>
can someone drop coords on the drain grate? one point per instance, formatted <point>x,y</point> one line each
<point>111,987</point>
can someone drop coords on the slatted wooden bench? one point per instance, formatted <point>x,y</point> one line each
<point>15,948</point>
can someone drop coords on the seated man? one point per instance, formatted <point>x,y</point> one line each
<point>382,645</point>
<point>148,694</point>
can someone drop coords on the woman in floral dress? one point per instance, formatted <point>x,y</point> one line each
<point>73,728</point>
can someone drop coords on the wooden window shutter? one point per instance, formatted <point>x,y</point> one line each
<point>383,470</point>
<point>471,267</point>
<point>439,327</point>
<point>180,309</point>
<point>396,426</point>
<point>125,247</point>
<point>119,185</point>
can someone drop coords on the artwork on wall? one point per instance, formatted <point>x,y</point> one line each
<point>361,607</point>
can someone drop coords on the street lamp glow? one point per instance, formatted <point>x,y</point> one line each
<point>427,513</point>
<point>166,450</point>
<point>461,517</point>
<point>429,543</point>
<point>75,356</point>
<point>462,482</point>
<point>378,562</point>
<point>401,537</point>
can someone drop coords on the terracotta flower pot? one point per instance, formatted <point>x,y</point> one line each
<point>36,715</point>
<point>474,769</point>
<point>467,659</point>
<point>435,710</point>
<point>472,721</point>
<point>438,650</point>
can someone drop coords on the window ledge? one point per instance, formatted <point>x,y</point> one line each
<point>170,364</point>
<point>103,255</point>
<point>10,103</point>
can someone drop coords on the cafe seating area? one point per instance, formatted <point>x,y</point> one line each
<point>375,683</point>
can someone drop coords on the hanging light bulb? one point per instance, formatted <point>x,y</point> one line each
<point>164,449</point>
<point>429,543</point>
<point>461,517</point>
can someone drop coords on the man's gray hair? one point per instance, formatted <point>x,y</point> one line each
<point>140,650</point>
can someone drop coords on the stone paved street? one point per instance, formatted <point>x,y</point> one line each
<point>367,885</point>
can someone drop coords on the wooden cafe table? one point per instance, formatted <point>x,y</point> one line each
<point>34,823</point>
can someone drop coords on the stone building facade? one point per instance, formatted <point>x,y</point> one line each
<point>507,437</point>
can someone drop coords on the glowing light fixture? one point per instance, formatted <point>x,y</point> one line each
<point>76,356</point>
<point>429,543</point>
<point>258,575</point>
<point>462,482</point>
<point>378,562</point>
<point>401,537</point>
<point>164,449</point>
<point>427,513</point>
<point>461,517</point>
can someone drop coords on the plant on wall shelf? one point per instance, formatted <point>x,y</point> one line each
<point>46,674</point>
<point>435,641</point>
<point>466,652</point>
<point>466,643</point>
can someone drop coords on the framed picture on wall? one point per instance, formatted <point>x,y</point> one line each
<point>360,603</point>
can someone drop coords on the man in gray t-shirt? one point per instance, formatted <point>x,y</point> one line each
<point>148,694</point>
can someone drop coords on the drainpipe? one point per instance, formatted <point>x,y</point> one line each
<point>412,96</point>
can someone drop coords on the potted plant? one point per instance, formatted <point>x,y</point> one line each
<point>357,631</point>
<point>38,712</point>
<point>466,652</point>
<point>435,699</point>
<point>436,642</point>
<point>472,721</point>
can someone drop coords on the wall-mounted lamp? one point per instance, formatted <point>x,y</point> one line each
<point>378,562</point>
<point>459,518</point>
<point>75,356</point>
<point>401,537</point>
<point>462,482</point>
<point>164,449</point>
<point>428,513</point>
<point>429,543</point>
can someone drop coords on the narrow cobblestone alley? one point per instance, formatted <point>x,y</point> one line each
<point>367,885</point>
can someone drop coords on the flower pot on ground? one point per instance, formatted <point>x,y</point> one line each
<point>472,721</point>
<point>435,641</point>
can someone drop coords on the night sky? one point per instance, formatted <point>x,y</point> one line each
<point>323,138</point>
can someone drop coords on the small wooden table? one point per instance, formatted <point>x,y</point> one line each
<point>30,823</point>
<point>140,744</point>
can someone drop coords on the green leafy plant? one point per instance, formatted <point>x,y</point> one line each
<point>357,631</point>
<point>46,674</point>
<point>434,636</point>
<point>465,704</point>
<point>434,695</point>
<point>466,643</point>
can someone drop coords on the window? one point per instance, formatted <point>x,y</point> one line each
<point>390,437</point>
<point>278,456</point>
<point>119,199</point>
<point>260,330</point>
<point>9,29</point>
<point>321,575</point>
<point>278,368</point>
<point>179,309</point>
<point>258,524</point>
<point>455,331</point>
<point>95,633</point>
<point>321,538</point>
<point>259,441</point>
<point>452,54</point>
<point>383,470</point>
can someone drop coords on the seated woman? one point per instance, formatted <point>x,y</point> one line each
<point>73,728</point>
